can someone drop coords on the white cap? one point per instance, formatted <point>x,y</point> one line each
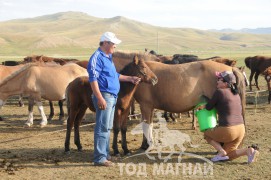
<point>109,36</point>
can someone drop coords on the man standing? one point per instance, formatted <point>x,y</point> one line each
<point>105,85</point>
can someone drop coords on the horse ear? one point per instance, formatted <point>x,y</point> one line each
<point>39,58</point>
<point>136,60</point>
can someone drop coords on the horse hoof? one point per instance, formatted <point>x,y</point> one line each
<point>28,125</point>
<point>127,153</point>
<point>64,122</point>
<point>42,125</point>
<point>61,118</point>
<point>50,118</point>
<point>67,152</point>
<point>117,155</point>
<point>143,147</point>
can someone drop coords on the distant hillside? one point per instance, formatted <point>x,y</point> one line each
<point>76,33</point>
<point>245,30</point>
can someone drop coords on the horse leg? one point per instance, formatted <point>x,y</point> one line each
<point>250,79</point>
<point>144,144</point>
<point>147,126</point>
<point>61,114</point>
<point>123,128</point>
<point>2,103</point>
<point>116,129</point>
<point>72,112</point>
<point>20,101</point>
<point>132,109</point>
<point>29,121</point>
<point>256,79</point>
<point>124,141</point>
<point>52,111</point>
<point>194,126</point>
<point>165,116</point>
<point>188,114</point>
<point>68,134</point>
<point>43,116</point>
<point>77,123</point>
<point>171,115</point>
<point>115,140</point>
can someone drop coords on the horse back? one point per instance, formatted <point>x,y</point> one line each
<point>258,63</point>
<point>79,92</point>
<point>180,87</point>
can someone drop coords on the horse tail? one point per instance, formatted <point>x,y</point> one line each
<point>240,83</point>
<point>67,97</point>
<point>248,62</point>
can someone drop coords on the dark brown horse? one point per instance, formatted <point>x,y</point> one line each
<point>180,88</point>
<point>267,77</point>
<point>257,65</point>
<point>78,95</point>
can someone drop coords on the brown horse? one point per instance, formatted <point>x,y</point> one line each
<point>29,80</point>
<point>226,61</point>
<point>180,88</point>
<point>78,95</point>
<point>267,77</point>
<point>46,59</point>
<point>257,65</point>
<point>5,71</point>
<point>52,60</point>
<point>187,58</point>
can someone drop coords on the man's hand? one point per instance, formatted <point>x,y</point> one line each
<point>101,103</point>
<point>135,80</point>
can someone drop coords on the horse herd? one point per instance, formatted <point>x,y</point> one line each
<point>176,89</point>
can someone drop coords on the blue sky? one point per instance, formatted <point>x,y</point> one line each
<point>200,14</point>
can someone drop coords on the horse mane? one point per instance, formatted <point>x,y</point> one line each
<point>126,69</point>
<point>241,88</point>
<point>42,58</point>
<point>12,75</point>
<point>210,58</point>
<point>146,57</point>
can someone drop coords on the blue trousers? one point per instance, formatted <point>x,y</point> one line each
<point>104,123</point>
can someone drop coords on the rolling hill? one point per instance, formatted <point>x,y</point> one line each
<point>76,33</point>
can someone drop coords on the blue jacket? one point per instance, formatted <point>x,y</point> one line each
<point>101,68</point>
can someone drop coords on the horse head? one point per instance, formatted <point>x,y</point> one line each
<point>140,69</point>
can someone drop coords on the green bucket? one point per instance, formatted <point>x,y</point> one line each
<point>206,119</point>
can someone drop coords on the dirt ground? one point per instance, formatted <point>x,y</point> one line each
<point>38,153</point>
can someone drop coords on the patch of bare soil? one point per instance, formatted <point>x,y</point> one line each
<point>38,153</point>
